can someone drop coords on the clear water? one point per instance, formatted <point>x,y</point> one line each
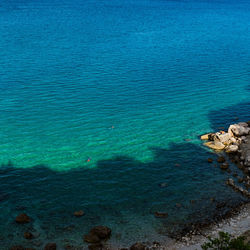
<point>99,100</point>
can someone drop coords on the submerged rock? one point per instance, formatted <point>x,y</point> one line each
<point>22,218</point>
<point>224,166</point>
<point>97,246</point>
<point>138,246</point>
<point>210,160</point>
<point>79,213</point>
<point>17,248</point>
<point>102,232</point>
<point>221,159</point>
<point>91,238</point>
<point>160,214</point>
<point>28,235</point>
<point>50,246</point>
<point>164,184</point>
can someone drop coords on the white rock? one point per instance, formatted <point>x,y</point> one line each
<point>238,130</point>
<point>224,138</point>
<point>215,145</point>
<point>232,149</point>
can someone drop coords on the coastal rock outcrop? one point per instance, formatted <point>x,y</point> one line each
<point>228,141</point>
<point>236,143</point>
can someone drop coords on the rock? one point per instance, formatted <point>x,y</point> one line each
<point>246,236</point>
<point>17,248</point>
<point>91,238</point>
<point>102,232</point>
<point>160,215</point>
<point>224,166</point>
<point>221,159</point>
<point>232,149</point>
<point>22,218</point>
<point>69,247</point>
<point>224,138</point>
<point>206,137</point>
<point>138,246</point>
<point>79,213</point>
<point>238,129</point>
<point>178,205</point>
<point>50,246</point>
<point>164,184</point>
<point>220,205</point>
<point>210,160</point>
<point>240,180</point>
<point>28,235</point>
<point>97,246</point>
<point>215,145</point>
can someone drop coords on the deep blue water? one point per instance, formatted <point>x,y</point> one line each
<point>101,101</point>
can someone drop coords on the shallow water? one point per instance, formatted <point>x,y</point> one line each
<point>99,100</point>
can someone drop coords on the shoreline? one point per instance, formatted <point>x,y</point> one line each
<point>235,223</point>
<point>231,218</point>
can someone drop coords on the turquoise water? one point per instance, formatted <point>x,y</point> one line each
<point>99,100</point>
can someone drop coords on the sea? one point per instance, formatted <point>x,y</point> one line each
<point>102,104</point>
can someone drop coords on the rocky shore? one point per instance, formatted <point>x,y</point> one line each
<point>236,144</point>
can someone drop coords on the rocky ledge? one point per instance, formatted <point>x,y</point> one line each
<point>236,143</point>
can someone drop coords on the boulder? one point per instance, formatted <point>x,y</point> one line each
<point>224,138</point>
<point>224,166</point>
<point>232,149</point>
<point>50,246</point>
<point>206,137</point>
<point>246,236</point>
<point>238,129</point>
<point>102,232</point>
<point>215,145</point>
<point>138,246</point>
<point>22,218</point>
<point>91,238</point>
